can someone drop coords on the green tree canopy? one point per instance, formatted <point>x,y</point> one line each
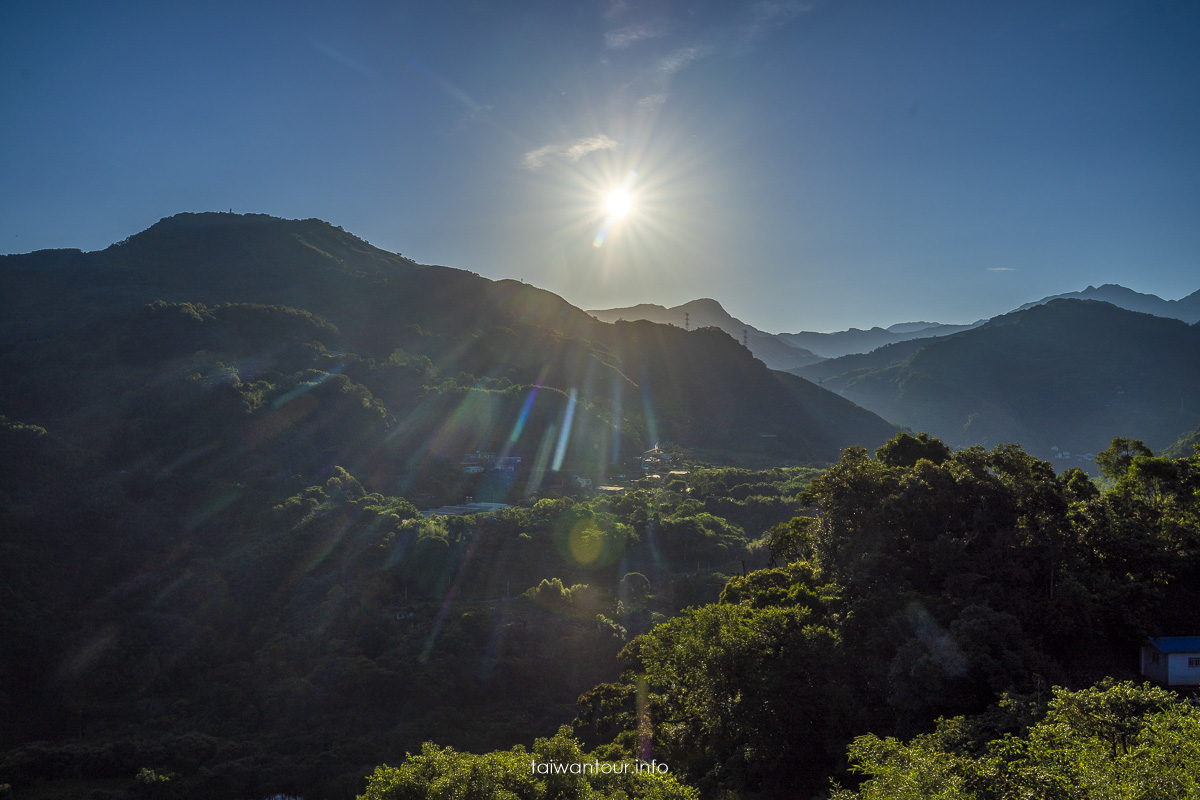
<point>1117,741</point>
<point>556,769</point>
<point>1116,458</point>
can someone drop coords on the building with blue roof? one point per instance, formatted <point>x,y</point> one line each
<point>1172,660</point>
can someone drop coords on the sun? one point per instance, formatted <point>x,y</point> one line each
<point>618,203</point>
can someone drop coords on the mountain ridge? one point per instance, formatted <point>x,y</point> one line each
<point>1186,308</point>
<point>773,351</point>
<point>440,352</point>
<point>856,340</point>
<point>1069,374</point>
<point>836,344</point>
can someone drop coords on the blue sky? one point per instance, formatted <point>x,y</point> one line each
<point>812,165</point>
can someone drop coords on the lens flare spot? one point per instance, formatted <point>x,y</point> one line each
<point>586,542</point>
<point>564,435</point>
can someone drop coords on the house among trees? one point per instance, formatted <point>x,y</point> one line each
<point>654,459</point>
<point>474,463</point>
<point>1172,660</point>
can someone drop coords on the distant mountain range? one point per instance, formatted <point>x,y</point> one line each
<point>814,346</point>
<point>1062,378</point>
<point>841,343</point>
<point>772,350</point>
<point>1185,308</point>
<point>222,344</point>
<point>784,351</point>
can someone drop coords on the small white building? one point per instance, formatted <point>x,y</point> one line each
<point>1172,660</point>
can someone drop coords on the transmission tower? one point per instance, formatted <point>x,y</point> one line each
<point>687,321</point>
<point>745,340</point>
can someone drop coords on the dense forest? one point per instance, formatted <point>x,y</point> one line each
<point>745,628</point>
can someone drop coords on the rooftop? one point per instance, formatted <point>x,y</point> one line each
<point>1176,644</point>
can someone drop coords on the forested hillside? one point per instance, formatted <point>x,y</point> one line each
<point>258,649</point>
<point>921,584</point>
<point>248,313</point>
<point>245,644</point>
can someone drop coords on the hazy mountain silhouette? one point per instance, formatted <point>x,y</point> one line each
<point>774,351</point>
<point>1185,308</point>
<point>854,340</point>
<point>1069,374</point>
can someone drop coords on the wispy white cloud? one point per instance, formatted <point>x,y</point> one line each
<point>752,24</point>
<point>765,17</point>
<point>630,35</point>
<point>472,117</point>
<point>581,147</point>
<point>664,70</point>
<point>616,8</point>
<point>343,59</point>
<point>678,60</point>
<point>571,151</point>
<point>649,103</point>
<point>1001,269</point>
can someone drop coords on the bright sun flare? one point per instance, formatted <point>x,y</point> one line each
<point>618,203</point>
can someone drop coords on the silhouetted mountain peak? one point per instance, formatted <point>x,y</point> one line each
<point>707,304</point>
<point>705,312</point>
<point>240,232</point>
<point>1186,308</point>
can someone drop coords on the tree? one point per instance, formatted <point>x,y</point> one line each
<point>556,769</point>
<point>789,541</point>
<point>905,450</point>
<point>1113,740</point>
<point>1115,460</point>
<point>735,698</point>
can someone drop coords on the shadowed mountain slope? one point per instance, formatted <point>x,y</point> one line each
<point>1068,375</point>
<point>272,315</point>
